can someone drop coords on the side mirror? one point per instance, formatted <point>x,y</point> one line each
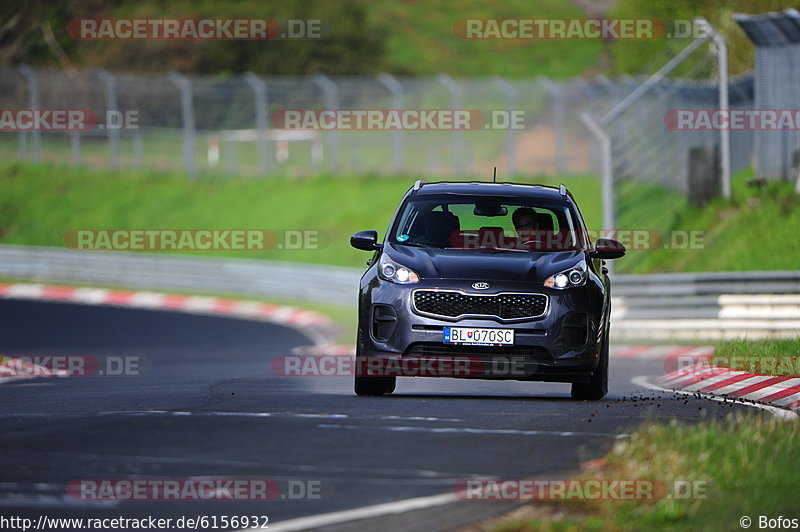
<point>606,248</point>
<point>365,240</point>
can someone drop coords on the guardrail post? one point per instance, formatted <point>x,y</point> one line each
<point>187,116</point>
<point>33,103</point>
<point>331,92</point>
<point>112,107</point>
<point>511,144</point>
<point>398,137</point>
<point>458,136</point>
<point>559,121</point>
<point>259,87</point>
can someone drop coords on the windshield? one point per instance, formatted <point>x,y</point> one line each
<point>481,222</point>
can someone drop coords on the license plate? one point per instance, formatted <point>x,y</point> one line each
<point>470,336</point>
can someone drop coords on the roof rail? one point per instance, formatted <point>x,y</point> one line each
<point>419,183</point>
<point>562,188</point>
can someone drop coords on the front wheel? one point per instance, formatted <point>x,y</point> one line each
<point>367,385</point>
<point>372,386</point>
<point>597,387</point>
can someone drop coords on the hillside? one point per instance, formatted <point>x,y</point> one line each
<point>364,37</point>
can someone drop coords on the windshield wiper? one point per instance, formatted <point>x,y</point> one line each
<point>419,245</point>
<point>505,249</point>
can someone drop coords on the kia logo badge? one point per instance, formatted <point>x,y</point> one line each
<point>480,286</point>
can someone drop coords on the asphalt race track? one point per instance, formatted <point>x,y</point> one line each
<point>207,404</point>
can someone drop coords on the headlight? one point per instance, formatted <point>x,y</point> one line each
<point>575,276</point>
<point>397,273</point>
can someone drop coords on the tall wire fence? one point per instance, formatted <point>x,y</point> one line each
<point>224,126</point>
<point>216,126</point>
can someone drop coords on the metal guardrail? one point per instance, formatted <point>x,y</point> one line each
<point>653,306</point>
<point>160,271</point>
<point>708,283</point>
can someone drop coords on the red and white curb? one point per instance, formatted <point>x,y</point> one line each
<point>782,392</point>
<point>317,326</point>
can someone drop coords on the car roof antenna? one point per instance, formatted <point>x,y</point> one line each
<point>494,177</point>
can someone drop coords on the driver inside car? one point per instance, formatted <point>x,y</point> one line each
<point>526,223</point>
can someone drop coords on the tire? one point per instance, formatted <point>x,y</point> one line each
<point>372,386</point>
<point>597,387</point>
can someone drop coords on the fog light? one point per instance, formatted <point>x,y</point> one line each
<point>402,275</point>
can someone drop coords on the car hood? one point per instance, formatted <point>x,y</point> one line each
<point>478,265</point>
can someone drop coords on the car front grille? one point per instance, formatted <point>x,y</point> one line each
<point>455,304</point>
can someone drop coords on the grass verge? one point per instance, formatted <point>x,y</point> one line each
<point>756,230</point>
<point>766,357</point>
<point>39,203</point>
<point>745,466</point>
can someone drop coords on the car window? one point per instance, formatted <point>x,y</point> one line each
<point>480,222</point>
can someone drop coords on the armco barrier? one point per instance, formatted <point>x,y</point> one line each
<point>154,271</point>
<point>712,305</point>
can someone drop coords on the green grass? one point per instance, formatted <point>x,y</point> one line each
<point>747,464</point>
<point>39,204</point>
<point>767,357</point>
<point>756,230</point>
<point>421,40</point>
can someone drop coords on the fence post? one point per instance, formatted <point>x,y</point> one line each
<point>136,149</point>
<point>187,116</point>
<point>511,145</point>
<point>75,148</point>
<point>398,137</point>
<point>33,103</point>
<point>662,72</point>
<point>259,87</point>
<point>112,106</point>
<point>607,174</point>
<point>724,133</point>
<point>458,136</point>
<point>331,91</point>
<point>559,121</point>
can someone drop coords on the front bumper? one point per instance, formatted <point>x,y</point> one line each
<point>562,345</point>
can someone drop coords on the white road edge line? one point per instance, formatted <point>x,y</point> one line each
<point>365,512</point>
<point>778,412</point>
